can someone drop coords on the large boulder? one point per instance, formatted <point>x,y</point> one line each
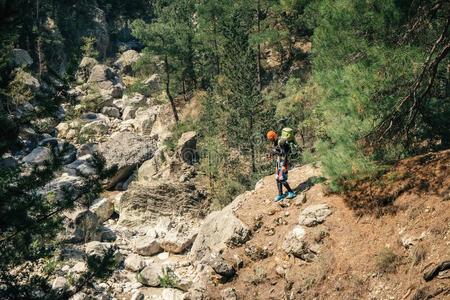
<point>126,61</point>
<point>145,202</point>
<point>220,229</point>
<point>21,58</point>
<point>314,215</point>
<point>187,145</point>
<point>39,156</point>
<point>150,169</point>
<point>153,83</point>
<point>124,152</point>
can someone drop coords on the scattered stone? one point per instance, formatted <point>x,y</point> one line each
<point>295,244</point>
<point>95,128</point>
<point>83,227</point>
<point>172,294</point>
<point>228,294</point>
<point>39,156</point>
<point>314,215</point>
<point>103,208</point>
<point>138,295</point>
<point>178,241</point>
<point>134,263</point>
<point>222,267</point>
<point>147,246</point>
<point>59,284</point>
<point>99,250</point>
<point>111,112</point>
<point>150,275</point>
<point>163,255</point>
<point>79,267</point>
<point>101,73</point>
<point>85,68</point>
<point>126,61</point>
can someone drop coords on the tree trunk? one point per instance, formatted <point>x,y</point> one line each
<point>252,146</point>
<point>169,95</point>
<point>216,47</point>
<point>258,63</point>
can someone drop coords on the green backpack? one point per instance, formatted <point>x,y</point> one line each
<point>288,134</point>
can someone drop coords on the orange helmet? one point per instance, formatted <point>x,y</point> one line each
<point>271,135</point>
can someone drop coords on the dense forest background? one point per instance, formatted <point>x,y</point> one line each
<point>363,83</point>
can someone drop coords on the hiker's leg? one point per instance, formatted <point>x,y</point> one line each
<point>286,185</point>
<point>280,187</point>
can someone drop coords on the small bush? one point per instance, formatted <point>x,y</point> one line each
<point>168,278</point>
<point>387,261</point>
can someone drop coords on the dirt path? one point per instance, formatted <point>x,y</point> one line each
<point>357,257</point>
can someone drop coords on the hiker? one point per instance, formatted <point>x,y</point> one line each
<point>282,150</point>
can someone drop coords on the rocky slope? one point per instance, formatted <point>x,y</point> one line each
<point>155,220</point>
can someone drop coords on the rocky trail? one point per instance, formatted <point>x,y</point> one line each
<point>154,214</point>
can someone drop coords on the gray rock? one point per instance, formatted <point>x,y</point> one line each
<point>119,103</point>
<point>111,111</point>
<point>219,230</point>
<point>128,113</point>
<point>145,202</point>
<point>86,149</point>
<point>107,234</point>
<point>21,58</point>
<point>138,295</point>
<point>147,246</point>
<point>83,227</point>
<point>172,294</point>
<point>187,145</point>
<point>144,120</point>
<point>103,208</point>
<point>127,60</point>
<point>150,275</point>
<point>125,151</point>
<point>79,296</point>
<point>222,267</point>
<point>59,284</point>
<point>83,166</point>
<point>154,83</point>
<point>80,267</point>
<point>29,81</point>
<point>134,263</point>
<point>39,156</point>
<point>95,128</point>
<point>178,241</point>
<point>65,185</point>
<point>101,73</point>
<point>99,250</point>
<point>295,244</point>
<point>85,68</point>
<point>314,215</point>
<point>228,294</point>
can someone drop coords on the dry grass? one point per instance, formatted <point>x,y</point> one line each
<point>387,261</point>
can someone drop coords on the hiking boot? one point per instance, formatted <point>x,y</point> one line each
<point>279,198</point>
<point>291,195</point>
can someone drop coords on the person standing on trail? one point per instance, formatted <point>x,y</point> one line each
<point>282,150</point>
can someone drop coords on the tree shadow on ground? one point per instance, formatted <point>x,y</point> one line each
<point>310,182</point>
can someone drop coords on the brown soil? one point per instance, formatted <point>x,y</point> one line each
<point>360,256</point>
